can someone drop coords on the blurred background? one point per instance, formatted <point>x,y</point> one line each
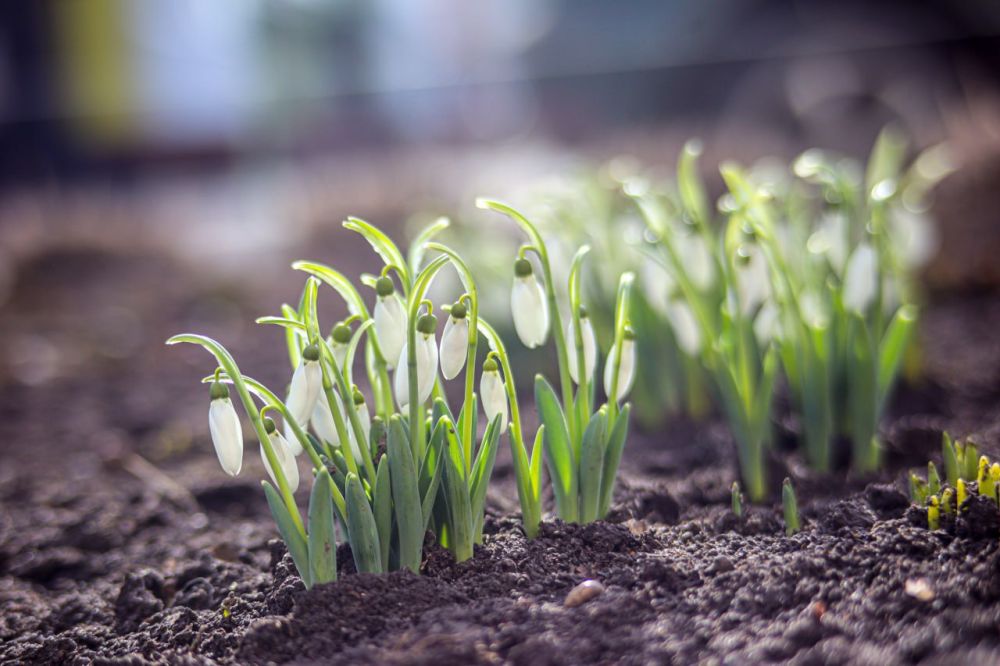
<point>154,149</point>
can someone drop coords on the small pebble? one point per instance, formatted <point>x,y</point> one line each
<point>583,593</point>
<point>920,589</point>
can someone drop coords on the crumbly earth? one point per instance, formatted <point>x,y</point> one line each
<point>122,542</point>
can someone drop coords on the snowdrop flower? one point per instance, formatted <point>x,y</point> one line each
<point>427,364</point>
<point>698,260</point>
<point>224,424</point>
<point>860,278</point>
<point>322,419</point>
<point>494,397</point>
<point>915,236</point>
<point>340,337</point>
<point>528,306</point>
<point>366,424</point>
<point>753,282</point>
<point>283,452</point>
<point>658,284</point>
<point>390,320</point>
<point>626,372</point>
<point>589,347</point>
<point>686,329</point>
<point>454,341</point>
<point>304,391</point>
<point>766,323</point>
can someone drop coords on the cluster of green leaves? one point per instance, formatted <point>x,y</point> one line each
<point>583,445</point>
<point>816,282</point>
<point>417,470</point>
<point>965,472</point>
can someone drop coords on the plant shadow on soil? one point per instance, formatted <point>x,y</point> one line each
<point>106,557</point>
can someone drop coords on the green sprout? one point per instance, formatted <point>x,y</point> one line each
<point>963,467</point>
<point>737,499</point>
<point>790,508</point>
<point>582,445</point>
<point>385,479</point>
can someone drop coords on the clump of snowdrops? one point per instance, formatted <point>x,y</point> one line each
<point>816,281</point>
<point>392,464</point>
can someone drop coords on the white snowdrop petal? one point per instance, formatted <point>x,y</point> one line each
<point>283,452</point>
<point>753,282</point>
<point>390,326</point>
<point>685,327</point>
<point>227,435</point>
<point>626,370</point>
<point>530,311</point>
<point>427,361</point>
<point>765,325</point>
<point>494,397</point>
<point>322,420</point>
<point>698,261</point>
<point>860,278</point>
<point>304,391</point>
<point>454,346</point>
<point>658,284</point>
<point>589,348</point>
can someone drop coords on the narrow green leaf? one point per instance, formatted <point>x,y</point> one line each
<point>612,459</point>
<point>415,255</point>
<point>382,508</point>
<point>558,450</point>
<point>290,534</point>
<point>482,470</point>
<point>689,183</point>
<point>592,451</point>
<point>382,245</point>
<point>361,529</point>
<point>337,280</point>
<point>791,508</point>
<point>405,498</point>
<point>461,529</point>
<point>892,349</point>
<point>861,396</point>
<point>322,545</point>
<point>951,467</point>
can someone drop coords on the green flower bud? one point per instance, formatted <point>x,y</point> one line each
<point>218,391</point>
<point>427,324</point>
<point>458,310</point>
<point>384,286</point>
<point>269,426</point>
<point>522,267</point>
<point>311,353</point>
<point>341,333</point>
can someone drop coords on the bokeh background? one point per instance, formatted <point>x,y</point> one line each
<point>162,161</point>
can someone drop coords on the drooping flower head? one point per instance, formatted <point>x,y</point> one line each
<point>340,337</point>
<point>626,366</point>
<point>390,320</point>
<point>427,363</point>
<point>455,341</point>
<point>307,382</point>
<point>528,305</point>
<point>283,452</point>
<point>589,347</point>
<point>224,425</point>
<point>493,394</point>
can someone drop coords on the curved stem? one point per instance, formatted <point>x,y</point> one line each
<point>225,359</point>
<point>583,391</point>
<point>565,381</point>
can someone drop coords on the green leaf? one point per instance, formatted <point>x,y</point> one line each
<point>591,465</point>
<point>558,450</point>
<point>322,545</point>
<point>692,190</point>
<point>461,528</point>
<point>612,459</point>
<point>885,160</point>
<point>892,349</point>
<point>791,508</point>
<point>382,245</point>
<point>417,249</point>
<point>952,471</point>
<point>405,498</point>
<point>333,278</point>
<point>382,508</point>
<point>482,470</point>
<point>361,529</point>
<point>861,396</point>
<point>290,534</point>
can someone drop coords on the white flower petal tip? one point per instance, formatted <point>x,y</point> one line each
<point>227,434</point>
<point>493,393</point>
<point>753,282</point>
<point>307,381</point>
<point>685,327</point>
<point>283,452</point>
<point>626,370</point>
<point>390,321</point>
<point>454,342</point>
<point>528,306</point>
<point>589,348</point>
<point>860,278</point>
<point>427,364</point>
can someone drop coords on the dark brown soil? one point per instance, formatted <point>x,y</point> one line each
<point>121,541</point>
